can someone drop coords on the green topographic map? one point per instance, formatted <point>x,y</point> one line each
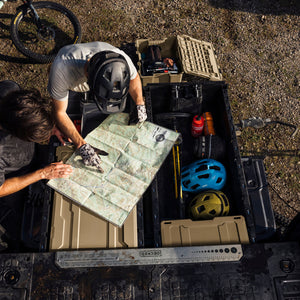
<point>135,155</point>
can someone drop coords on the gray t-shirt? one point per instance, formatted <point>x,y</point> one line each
<point>67,71</point>
<point>14,154</point>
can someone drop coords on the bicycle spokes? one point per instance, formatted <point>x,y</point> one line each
<point>46,33</point>
<point>45,28</point>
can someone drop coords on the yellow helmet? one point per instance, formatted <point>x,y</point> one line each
<point>209,204</point>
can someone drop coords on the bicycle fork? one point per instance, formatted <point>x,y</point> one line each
<point>32,12</point>
<point>44,32</point>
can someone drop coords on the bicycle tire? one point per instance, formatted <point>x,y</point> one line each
<point>60,39</point>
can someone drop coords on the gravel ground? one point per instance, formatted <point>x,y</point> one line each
<point>257,47</point>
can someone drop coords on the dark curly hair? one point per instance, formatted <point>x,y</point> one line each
<point>27,115</point>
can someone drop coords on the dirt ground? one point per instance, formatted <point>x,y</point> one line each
<point>258,50</point>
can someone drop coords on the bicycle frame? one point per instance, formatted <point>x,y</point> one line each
<point>33,13</point>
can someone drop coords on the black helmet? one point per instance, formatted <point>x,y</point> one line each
<point>108,79</point>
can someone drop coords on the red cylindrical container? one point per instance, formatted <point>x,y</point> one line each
<point>197,125</point>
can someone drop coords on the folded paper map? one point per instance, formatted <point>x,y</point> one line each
<point>135,155</point>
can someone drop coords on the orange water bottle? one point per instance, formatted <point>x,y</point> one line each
<point>208,124</point>
<point>197,126</point>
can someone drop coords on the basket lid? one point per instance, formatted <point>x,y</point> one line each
<point>198,58</point>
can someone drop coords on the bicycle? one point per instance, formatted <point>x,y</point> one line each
<point>40,29</point>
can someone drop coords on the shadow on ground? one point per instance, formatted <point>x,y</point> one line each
<point>266,7</point>
<point>5,35</point>
<point>4,49</point>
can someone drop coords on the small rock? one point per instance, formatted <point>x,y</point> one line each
<point>263,19</point>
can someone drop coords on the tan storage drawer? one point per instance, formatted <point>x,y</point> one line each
<point>219,231</point>
<point>74,227</point>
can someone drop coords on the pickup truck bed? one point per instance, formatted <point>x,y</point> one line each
<point>266,268</point>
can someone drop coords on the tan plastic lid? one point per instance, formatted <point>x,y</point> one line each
<point>198,58</point>
<point>74,227</point>
<point>219,231</point>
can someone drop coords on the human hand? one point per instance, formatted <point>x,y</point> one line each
<point>56,170</point>
<point>169,62</point>
<point>142,113</point>
<point>59,135</point>
<point>138,115</point>
<point>90,156</point>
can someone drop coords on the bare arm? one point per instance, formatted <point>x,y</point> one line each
<point>15,184</point>
<point>87,152</point>
<point>65,124</point>
<point>136,90</point>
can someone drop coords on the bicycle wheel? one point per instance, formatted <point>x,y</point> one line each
<point>58,27</point>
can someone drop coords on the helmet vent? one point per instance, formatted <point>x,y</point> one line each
<point>212,212</point>
<point>215,168</point>
<point>203,176</point>
<point>194,187</point>
<point>107,75</point>
<point>201,209</point>
<point>116,86</point>
<point>186,183</point>
<point>194,202</point>
<point>206,198</point>
<point>201,168</point>
<point>183,175</point>
<point>219,180</point>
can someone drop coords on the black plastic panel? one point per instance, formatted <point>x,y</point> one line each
<point>257,187</point>
<point>258,275</point>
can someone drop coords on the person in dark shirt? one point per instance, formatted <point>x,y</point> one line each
<point>25,118</point>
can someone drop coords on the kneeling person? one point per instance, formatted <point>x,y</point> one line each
<point>104,70</point>
<point>25,118</point>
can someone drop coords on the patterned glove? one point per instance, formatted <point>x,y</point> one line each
<point>90,156</point>
<point>142,114</point>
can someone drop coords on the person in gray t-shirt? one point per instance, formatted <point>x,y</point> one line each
<point>25,118</point>
<point>104,70</point>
